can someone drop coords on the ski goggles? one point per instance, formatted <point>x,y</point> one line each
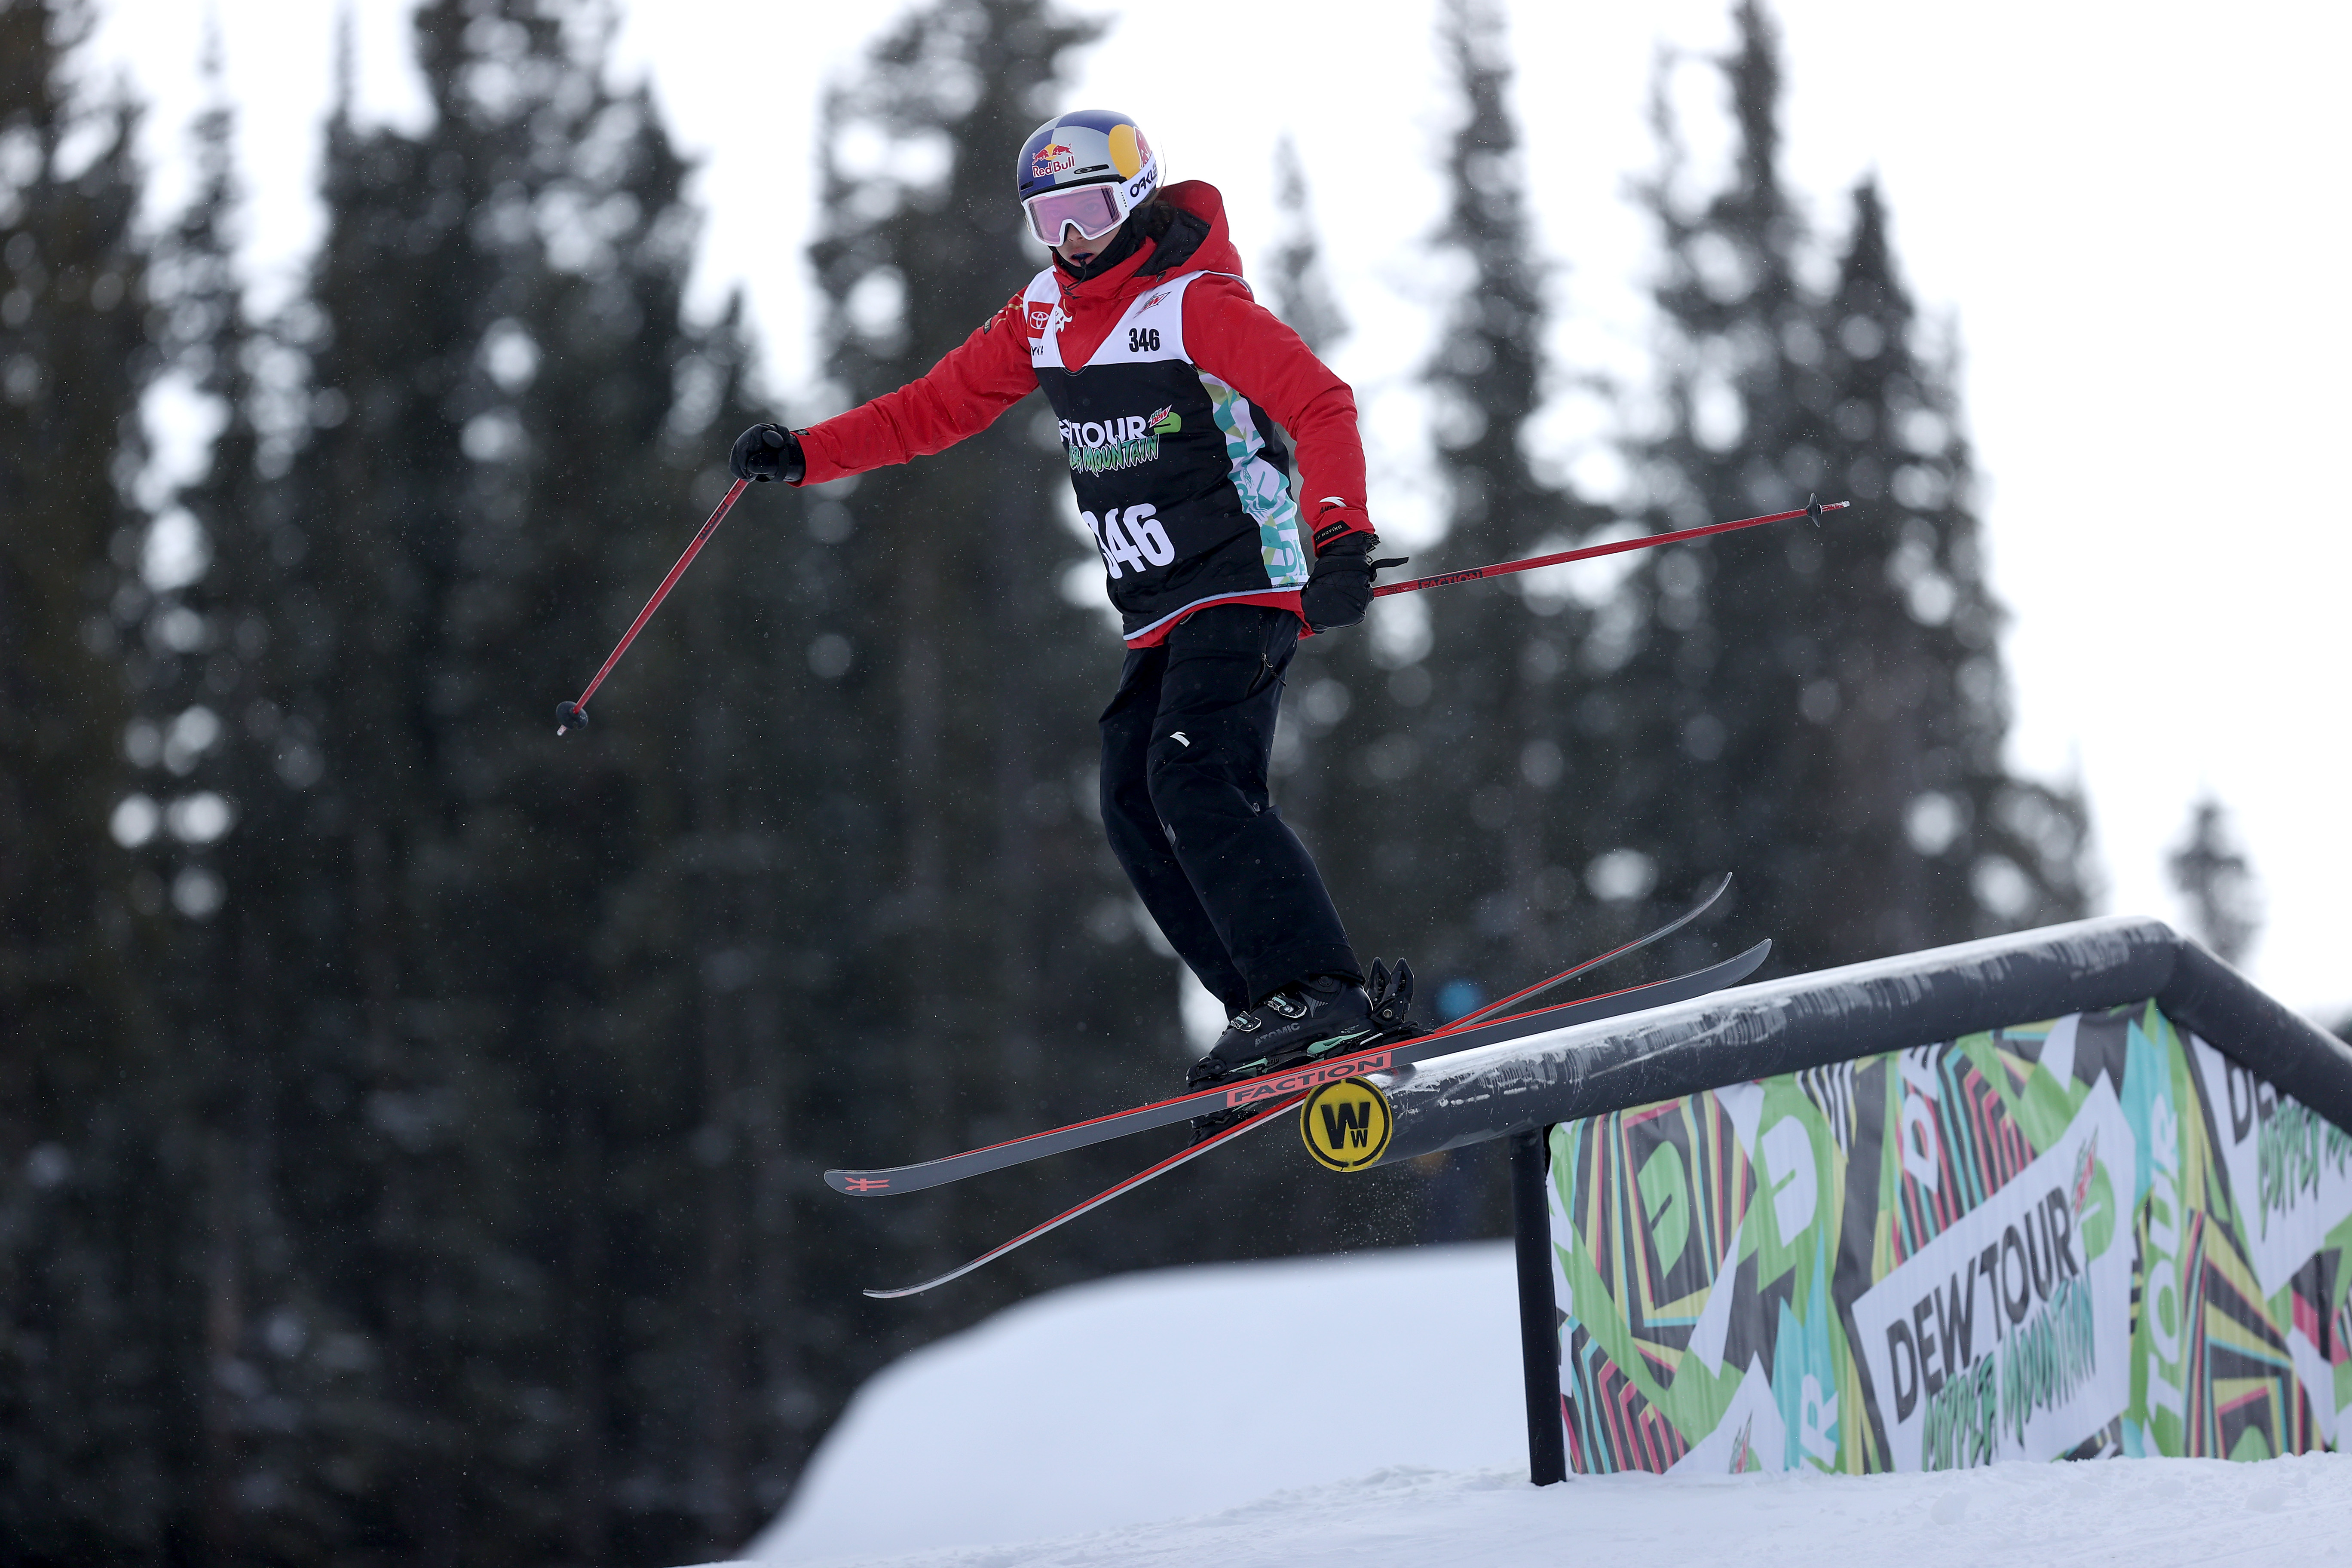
<point>1093,210</point>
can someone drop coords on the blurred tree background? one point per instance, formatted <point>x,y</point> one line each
<point>414,1123</point>
<point>2211,871</point>
<point>1820,710</point>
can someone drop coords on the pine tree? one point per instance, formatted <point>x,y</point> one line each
<point>1507,686</point>
<point>1913,702</point>
<point>81,1404</point>
<point>1820,712</point>
<point>519,1203</point>
<point>1452,806</point>
<point>2212,872</point>
<point>990,933</point>
<point>1299,286</point>
<point>193,668</point>
<point>1456,790</point>
<point>1700,709</point>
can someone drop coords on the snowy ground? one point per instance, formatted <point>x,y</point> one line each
<point>2146,1514</point>
<point>1063,1434</point>
<point>1077,1410</point>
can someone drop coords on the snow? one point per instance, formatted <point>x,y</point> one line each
<point>1365,1410</point>
<point>1172,1392</point>
<point>2141,1513</point>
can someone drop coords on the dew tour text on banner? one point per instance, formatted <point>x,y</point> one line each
<point>2007,1337</point>
<point>2090,1236</point>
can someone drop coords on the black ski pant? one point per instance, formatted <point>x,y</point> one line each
<point>1186,741</point>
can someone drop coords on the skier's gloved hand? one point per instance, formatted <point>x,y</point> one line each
<point>767,452</point>
<point>1340,589</point>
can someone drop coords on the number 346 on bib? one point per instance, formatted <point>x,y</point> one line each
<point>1133,541</point>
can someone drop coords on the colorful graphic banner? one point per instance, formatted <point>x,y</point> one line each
<point>2088,1237</point>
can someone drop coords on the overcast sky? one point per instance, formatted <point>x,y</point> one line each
<point>2133,214</point>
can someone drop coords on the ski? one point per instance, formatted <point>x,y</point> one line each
<point>1272,1112</point>
<point>1271,1108</point>
<point>891,1181</point>
<point>1250,1092</point>
<point>1565,975</point>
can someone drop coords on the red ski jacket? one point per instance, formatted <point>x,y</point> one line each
<point>1225,333</point>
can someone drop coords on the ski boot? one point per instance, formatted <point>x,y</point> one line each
<point>1299,1023</point>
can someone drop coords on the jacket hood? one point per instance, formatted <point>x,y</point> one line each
<point>1212,251</point>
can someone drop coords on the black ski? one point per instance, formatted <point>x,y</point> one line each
<point>1269,1109</point>
<point>1251,1093</point>
<point>1158,1168</point>
<point>1705,903</point>
<point>915,1178</point>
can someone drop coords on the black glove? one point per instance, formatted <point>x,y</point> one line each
<point>767,452</point>
<point>1340,589</point>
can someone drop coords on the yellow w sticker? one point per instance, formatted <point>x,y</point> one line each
<point>1345,1125</point>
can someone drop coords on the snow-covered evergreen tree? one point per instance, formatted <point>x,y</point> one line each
<point>1820,710</point>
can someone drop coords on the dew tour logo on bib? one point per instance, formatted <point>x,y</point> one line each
<point>1100,445</point>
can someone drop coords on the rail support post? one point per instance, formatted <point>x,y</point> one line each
<point>1538,1314</point>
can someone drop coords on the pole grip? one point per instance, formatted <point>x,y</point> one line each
<point>1538,1314</point>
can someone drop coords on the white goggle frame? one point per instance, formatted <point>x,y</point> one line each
<point>1093,210</point>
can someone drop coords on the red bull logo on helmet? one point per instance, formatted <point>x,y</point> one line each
<point>1053,158</point>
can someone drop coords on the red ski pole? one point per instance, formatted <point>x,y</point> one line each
<point>567,714</point>
<point>1814,508</point>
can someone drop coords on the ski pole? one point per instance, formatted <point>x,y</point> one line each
<point>1814,508</point>
<point>567,714</point>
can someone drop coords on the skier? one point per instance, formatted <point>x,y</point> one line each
<point>1164,371</point>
